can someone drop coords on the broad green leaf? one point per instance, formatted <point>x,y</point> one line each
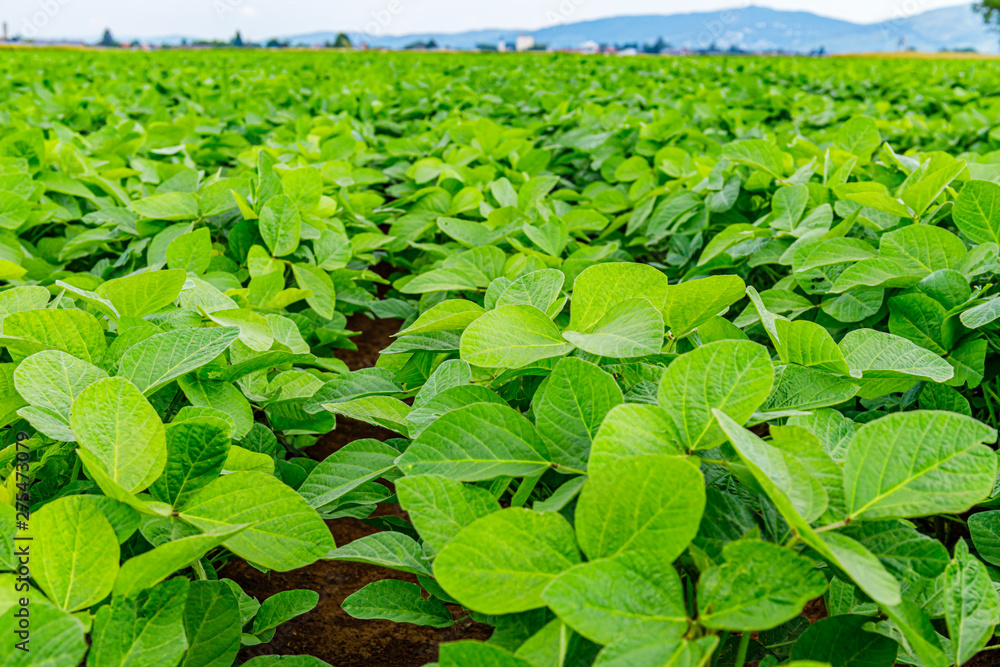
<point>931,248</point>
<point>985,530</point>
<point>191,252</point>
<point>623,509</point>
<point>632,328</point>
<point>599,288</point>
<point>568,413</point>
<point>501,563</point>
<point>150,568</point>
<point>609,598</point>
<point>808,344</point>
<point>113,420</point>
<point>440,507</point>
<point>383,411</point>
<point>140,294</point>
<point>512,337</point>
<point>971,606</point>
<point>459,654</point>
<point>842,641</point>
<point>318,281</point>
<point>143,631</point>
<point>74,553</point>
<point>72,331</point>
<point>346,469</point>
<point>757,154</point>
<point>654,650</point>
<point>50,381</point>
<point>55,637</point>
<point>280,225</point>
<point>285,532</point>
<point>282,607</point>
<point>538,288</point>
<point>161,358</point>
<point>222,396</point>
<point>398,601</point>
<point>255,332</point>
<point>388,549</point>
<point>977,211</point>
<point>919,463</point>
<point>454,314</point>
<point>444,402</point>
<point>212,625</point>
<point>168,206</point>
<point>691,303</point>
<point>633,430</point>
<point>478,442</point>
<point>879,355</point>
<point>800,388</point>
<point>759,586</point>
<point>196,453</point>
<point>733,376</point>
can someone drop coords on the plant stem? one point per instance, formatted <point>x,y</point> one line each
<point>741,652</point>
<point>524,490</point>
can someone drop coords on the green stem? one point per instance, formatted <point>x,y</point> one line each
<point>741,652</point>
<point>524,490</point>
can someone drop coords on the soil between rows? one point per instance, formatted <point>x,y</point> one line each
<point>327,632</point>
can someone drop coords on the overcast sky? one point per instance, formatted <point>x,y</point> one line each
<point>267,18</point>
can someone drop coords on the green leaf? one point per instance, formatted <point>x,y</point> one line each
<point>168,206</point>
<point>384,411</point>
<point>222,396</point>
<point>50,381</point>
<point>860,136</point>
<point>760,585</point>
<point>282,607</point>
<point>318,281</point>
<point>977,211</point>
<point>603,286</point>
<point>919,463</point>
<point>757,154</point>
<point>632,328</point>
<point>56,638</point>
<point>609,598</point>
<point>114,421</point>
<point>808,344</point>
<point>280,225</point>
<point>875,354</point>
<point>165,357</point>
<point>143,631</point>
<point>445,401</point>
<point>212,624</point>
<point>477,442</point>
<point>191,252</point>
<point>985,530</point>
<point>140,294</point>
<point>537,288</point>
<point>842,641</point>
<point>733,376</point>
<point>196,453</point>
<point>398,601</point>
<point>512,337</point>
<point>346,469</point>
<point>74,553</point>
<point>451,315</point>
<point>460,654</point>
<point>389,549</point>
<point>971,606</point>
<point>150,568</point>
<point>72,331</point>
<point>568,413</point>
<point>694,302</point>
<point>622,509</point>
<point>633,430</point>
<point>501,563</point>
<point>654,650</point>
<point>255,332</point>
<point>286,533</point>
<point>440,507</point>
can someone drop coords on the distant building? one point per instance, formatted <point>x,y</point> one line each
<point>501,46</point>
<point>524,43</point>
<point>629,51</point>
<point>590,47</point>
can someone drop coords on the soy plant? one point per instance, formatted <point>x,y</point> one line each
<point>147,470</point>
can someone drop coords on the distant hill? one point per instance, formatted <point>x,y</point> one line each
<point>750,28</point>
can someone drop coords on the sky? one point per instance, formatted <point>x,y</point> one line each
<point>260,19</point>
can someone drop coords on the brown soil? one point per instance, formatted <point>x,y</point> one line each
<point>327,632</point>
<point>375,336</point>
